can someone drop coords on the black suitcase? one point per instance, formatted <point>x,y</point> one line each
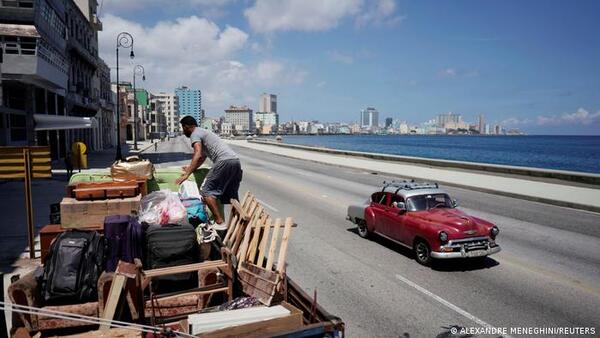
<point>172,245</point>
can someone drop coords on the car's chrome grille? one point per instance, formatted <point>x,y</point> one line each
<point>469,244</point>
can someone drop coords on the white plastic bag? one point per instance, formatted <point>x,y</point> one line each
<point>161,208</point>
<point>189,189</point>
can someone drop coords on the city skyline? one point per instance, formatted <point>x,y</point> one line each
<point>409,59</point>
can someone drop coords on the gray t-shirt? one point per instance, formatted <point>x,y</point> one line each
<point>212,145</point>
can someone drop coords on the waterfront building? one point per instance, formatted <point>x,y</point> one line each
<point>268,103</point>
<point>498,130</point>
<point>344,129</point>
<point>443,119</point>
<point>481,124</point>
<point>226,129</point>
<point>369,118</point>
<point>456,126</point>
<point>403,129</point>
<point>171,111</point>
<point>190,102</point>
<point>487,129</point>
<point>240,117</point>
<point>388,122</point>
<point>210,124</point>
<point>266,122</point>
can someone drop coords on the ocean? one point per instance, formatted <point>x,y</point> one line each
<point>573,153</point>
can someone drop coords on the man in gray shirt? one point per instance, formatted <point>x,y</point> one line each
<point>223,179</point>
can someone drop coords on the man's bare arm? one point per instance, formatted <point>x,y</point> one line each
<point>197,159</point>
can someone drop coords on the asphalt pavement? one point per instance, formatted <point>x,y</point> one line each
<point>546,276</point>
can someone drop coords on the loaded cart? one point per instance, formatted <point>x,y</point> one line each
<point>139,256</point>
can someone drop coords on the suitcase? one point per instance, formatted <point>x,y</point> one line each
<point>125,240</point>
<point>105,190</point>
<point>171,245</point>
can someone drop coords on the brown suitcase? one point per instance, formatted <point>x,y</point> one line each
<point>105,190</point>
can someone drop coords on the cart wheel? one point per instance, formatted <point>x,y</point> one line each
<point>363,230</point>
<point>422,252</point>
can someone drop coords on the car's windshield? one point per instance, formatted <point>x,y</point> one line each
<point>430,201</point>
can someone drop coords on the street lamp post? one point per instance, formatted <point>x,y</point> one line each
<point>137,70</point>
<point>124,40</point>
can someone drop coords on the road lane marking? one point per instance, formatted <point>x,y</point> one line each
<point>267,205</point>
<point>446,303</point>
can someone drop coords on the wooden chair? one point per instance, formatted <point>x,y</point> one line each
<point>252,238</point>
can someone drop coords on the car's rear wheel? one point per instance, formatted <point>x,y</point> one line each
<point>363,230</point>
<point>422,252</point>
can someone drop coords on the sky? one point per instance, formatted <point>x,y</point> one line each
<point>532,65</point>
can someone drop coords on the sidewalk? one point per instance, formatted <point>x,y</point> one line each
<point>44,192</point>
<point>578,197</point>
<point>14,259</point>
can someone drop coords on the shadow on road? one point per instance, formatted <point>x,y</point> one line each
<point>469,264</point>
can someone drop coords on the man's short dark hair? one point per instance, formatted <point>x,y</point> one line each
<point>188,121</point>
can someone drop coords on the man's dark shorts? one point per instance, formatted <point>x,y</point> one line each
<point>223,180</point>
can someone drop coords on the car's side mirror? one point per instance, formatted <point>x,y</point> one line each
<point>454,203</point>
<point>401,206</point>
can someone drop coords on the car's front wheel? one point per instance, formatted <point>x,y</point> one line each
<point>422,252</point>
<point>363,230</point>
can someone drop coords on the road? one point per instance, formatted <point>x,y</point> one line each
<point>547,275</point>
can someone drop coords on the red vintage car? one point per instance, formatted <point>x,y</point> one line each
<point>422,217</point>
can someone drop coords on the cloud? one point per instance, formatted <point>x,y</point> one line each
<point>340,57</point>
<point>448,72</point>
<point>452,72</point>
<point>379,13</point>
<point>579,117</point>
<point>513,121</point>
<point>128,6</point>
<point>321,84</point>
<point>302,15</point>
<point>198,53</point>
<point>267,16</point>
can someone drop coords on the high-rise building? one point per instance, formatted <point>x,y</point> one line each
<point>487,129</point>
<point>171,111</point>
<point>369,118</point>
<point>268,103</point>
<point>448,118</point>
<point>481,124</point>
<point>388,122</point>
<point>240,118</point>
<point>190,103</point>
<point>158,117</point>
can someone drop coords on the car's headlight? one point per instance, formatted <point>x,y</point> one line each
<point>443,236</point>
<point>494,232</point>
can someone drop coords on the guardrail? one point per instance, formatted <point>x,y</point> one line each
<point>572,176</point>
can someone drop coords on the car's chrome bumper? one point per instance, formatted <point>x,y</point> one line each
<point>466,254</point>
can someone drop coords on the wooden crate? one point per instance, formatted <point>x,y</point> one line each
<point>107,189</point>
<point>91,214</point>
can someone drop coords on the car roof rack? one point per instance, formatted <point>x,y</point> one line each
<point>408,185</point>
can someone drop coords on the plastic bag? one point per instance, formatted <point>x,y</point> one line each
<point>161,208</point>
<point>196,211</point>
<point>189,189</point>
